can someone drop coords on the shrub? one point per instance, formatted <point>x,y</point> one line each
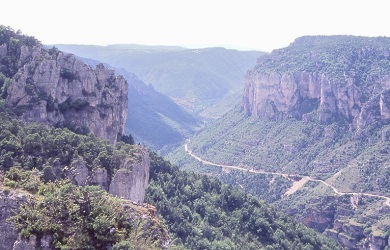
<point>123,245</point>
<point>69,75</point>
<point>6,191</point>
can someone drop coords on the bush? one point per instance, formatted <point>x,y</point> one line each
<point>69,104</point>
<point>128,139</point>
<point>48,174</point>
<point>18,178</point>
<point>69,75</point>
<point>6,191</point>
<point>123,245</point>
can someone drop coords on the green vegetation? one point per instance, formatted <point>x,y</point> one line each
<point>266,187</point>
<point>200,212</point>
<point>328,152</point>
<point>69,75</point>
<point>360,57</point>
<point>80,217</point>
<point>33,146</point>
<point>203,213</point>
<point>36,159</point>
<point>76,105</point>
<point>295,147</point>
<point>4,83</point>
<point>349,156</point>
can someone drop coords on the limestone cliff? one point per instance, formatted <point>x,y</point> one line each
<point>60,90</point>
<point>339,78</point>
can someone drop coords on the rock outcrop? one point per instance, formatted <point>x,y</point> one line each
<point>129,181</point>
<point>9,205</point>
<point>352,236</point>
<point>60,90</point>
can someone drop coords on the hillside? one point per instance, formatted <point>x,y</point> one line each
<point>52,177</point>
<point>203,213</point>
<point>204,81</point>
<point>317,108</point>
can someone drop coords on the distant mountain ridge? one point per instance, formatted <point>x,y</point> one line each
<point>197,79</point>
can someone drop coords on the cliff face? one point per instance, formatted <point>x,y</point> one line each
<point>131,180</point>
<point>340,78</point>
<point>277,96</point>
<point>60,90</point>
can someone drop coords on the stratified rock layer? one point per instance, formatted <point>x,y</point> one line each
<point>276,96</point>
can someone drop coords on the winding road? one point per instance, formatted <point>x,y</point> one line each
<point>304,177</point>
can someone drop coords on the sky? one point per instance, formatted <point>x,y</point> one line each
<point>237,24</point>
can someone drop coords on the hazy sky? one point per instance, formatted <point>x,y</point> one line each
<point>241,24</point>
